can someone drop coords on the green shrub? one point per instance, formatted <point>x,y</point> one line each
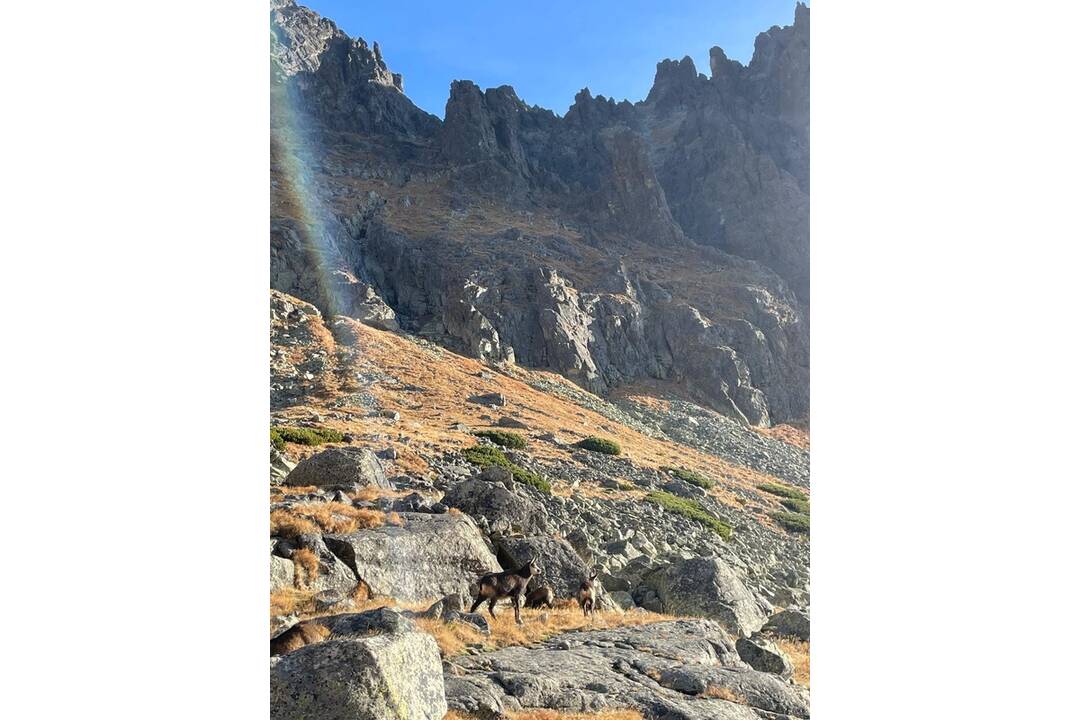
<point>694,478</point>
<point>794,522</point>
<point>783,491</point>
<point>303,436</point>
<point>690,509</point>
<point>623,485</point>
<point>797,506</point>
<point>600,445</point>
<point>503,437</point>
<point>485,456</point>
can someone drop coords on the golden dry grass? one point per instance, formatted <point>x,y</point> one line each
<point>723,693</point>
<point>306,563</point>
<point>327,517</point>
<point>798,652</point>
<point>544,714</point>
<point>539,624</point>
<point>288,601</point>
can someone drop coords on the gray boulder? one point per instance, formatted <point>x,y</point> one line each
<point>385,677</point>
<point>761,654</point>
<point>340,467</point>
<point>789,623</point>
<point>429,556</point>
<point>498,505</point>
<point>493,399</point>
<point>708,587</point>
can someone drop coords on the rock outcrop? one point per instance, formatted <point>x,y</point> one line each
<point>426,557</point>
<point>683,669</point>
<point>395,676</point>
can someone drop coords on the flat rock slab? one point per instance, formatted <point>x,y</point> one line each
<point>675,669</point>
<point>430,556</point>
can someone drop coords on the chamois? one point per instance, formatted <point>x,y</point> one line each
<point>586,595</point>
<point>542,596</point>
<point>509,583</point>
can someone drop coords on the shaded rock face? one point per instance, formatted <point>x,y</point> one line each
<point>428,557</point>
<point>664,670</point>
<point>563,569</point>
<point>394,676</point>
<point>666,239</point>
<point>708,587</point>
<point>339,467</point>
<point>789,623</point>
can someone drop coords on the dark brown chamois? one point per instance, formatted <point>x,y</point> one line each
<point>542,596</point>
<point>586,595</point>
<point>509,583</point>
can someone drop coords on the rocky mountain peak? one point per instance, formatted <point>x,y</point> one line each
<point>303,40</point>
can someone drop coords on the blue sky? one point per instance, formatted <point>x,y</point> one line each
<point>550,50</point>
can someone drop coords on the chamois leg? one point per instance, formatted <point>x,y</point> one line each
<point>491,606</point>
<point>476,603</point>
<point>516,598</point>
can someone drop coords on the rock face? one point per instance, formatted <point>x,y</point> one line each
<point>395,676</point>
<point>508,233</point>
<point>676,669</point>
<point>708,587</point>
<point>563,569</point>
<point>429,556</point>
<point>339,467</point>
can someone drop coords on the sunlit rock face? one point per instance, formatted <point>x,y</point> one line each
<point>663,241</point>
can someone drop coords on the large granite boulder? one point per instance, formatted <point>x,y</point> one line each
<point>708,587</point>
<point>340,467</point>
<point>499,506</point>
<point>395,676</point>
<point>427,557</point>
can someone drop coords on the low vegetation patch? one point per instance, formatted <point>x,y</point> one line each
<point>327,517</point>
<point>783,491</point>
<point>303,436</point>
<point>694,478</point>
<point>794,522</point>
<point>486,456</point>
<point>691,509</point>
<point>505,438</point>
<point>600,445</point>
<point>796,506</point>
